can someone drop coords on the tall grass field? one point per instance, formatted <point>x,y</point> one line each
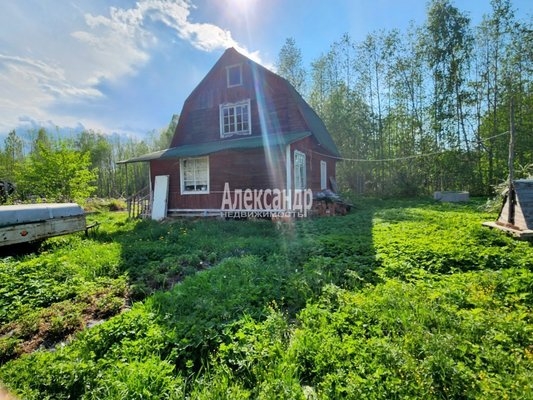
<point>396,300</point>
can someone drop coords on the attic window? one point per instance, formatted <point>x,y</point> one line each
<point>235,119</point>
<point>234,75</point>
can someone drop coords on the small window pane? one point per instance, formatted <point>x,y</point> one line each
<point>299,170</point>
<point>235,119</point>
<point>234,75</point>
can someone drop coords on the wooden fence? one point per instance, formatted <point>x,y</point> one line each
<point>139,204</point>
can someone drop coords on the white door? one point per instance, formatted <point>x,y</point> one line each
<point>159,206</point>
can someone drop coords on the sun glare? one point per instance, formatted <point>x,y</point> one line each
<point>241,6</point>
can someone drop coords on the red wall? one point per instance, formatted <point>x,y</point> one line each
<point>313,155</point>
<point>274,109</point>
<point>245,169</point>
<point>271,104</point>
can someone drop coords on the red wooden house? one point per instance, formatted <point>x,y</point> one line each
<point>246,143</point>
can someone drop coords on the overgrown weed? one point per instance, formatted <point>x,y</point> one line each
<point>396,300</point>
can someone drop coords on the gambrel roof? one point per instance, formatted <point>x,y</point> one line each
<point>280,115</point>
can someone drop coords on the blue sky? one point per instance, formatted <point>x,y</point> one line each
<point>123,66</point>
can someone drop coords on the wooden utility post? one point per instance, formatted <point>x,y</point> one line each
<point>511,193</point>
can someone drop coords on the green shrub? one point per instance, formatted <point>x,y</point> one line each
<point>433,339</point>
<point>9,348</point>
<point>148,379</point>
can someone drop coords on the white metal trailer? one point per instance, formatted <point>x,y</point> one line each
<point>35,222</point>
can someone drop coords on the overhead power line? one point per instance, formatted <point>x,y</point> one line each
<point>401,158</point>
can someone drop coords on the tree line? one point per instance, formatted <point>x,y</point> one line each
<point>47,168</point>
<point>413,112</point>
<point>428,109</point>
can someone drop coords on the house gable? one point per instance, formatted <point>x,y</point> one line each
<point>274,106</point>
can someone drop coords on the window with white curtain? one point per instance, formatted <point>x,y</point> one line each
<point>194,175</point>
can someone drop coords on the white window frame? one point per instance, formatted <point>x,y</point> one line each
<point>229,68</point>
<point>300,170</point>
<point>197,180</point>
<point>237,110</point>
<point>323,175</point>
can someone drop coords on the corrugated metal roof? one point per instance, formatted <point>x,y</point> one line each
<point>202,149</point>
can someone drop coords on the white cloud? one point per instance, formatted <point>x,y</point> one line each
<point>122,40</point>
<point>67,64</point>
<point>125,29</point>
<point>203,36</point>
<point>30,85</point>
<point>115,45</point>
<point>34,73</point>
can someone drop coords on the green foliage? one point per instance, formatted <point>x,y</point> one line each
<point>75,168</point>
<point>11,157</point>
<point>395,300</point>
<point>56,174</point>
<point>289,65</point>
<point>146,379</point>
<point>98,205</point>
<point>408,240</point>
<point>433,338</point>
<point>436,338</point>
<point>47,297</point>
<point>427,108</point>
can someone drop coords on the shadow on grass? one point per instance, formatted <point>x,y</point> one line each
<point>230,269</point>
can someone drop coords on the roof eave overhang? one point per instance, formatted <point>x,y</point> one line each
<point>203,149</point>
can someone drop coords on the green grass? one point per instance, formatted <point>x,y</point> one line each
<point>46,297</point>
<point>396,300</point>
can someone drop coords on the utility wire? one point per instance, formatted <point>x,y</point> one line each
<point>381,160</point>
<point>401,158</point>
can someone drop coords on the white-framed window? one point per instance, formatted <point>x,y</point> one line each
<point>194,175</point>
<point>323,175</point>
<point>234,75</point>
<point>300,178</point>
<point>235,119</point>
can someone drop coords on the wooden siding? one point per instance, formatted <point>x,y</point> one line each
<point>275,109</point>
<point>523,218</point>
<point>271,104</point>
<point>243,170</point>
<point>313,155</point>
<point>240,169</point>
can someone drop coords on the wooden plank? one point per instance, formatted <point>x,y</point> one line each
<point>521,234</point>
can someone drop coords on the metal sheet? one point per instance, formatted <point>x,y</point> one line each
<point>27,213</point>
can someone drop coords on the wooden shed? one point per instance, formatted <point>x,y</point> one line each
<point>516,214</point>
